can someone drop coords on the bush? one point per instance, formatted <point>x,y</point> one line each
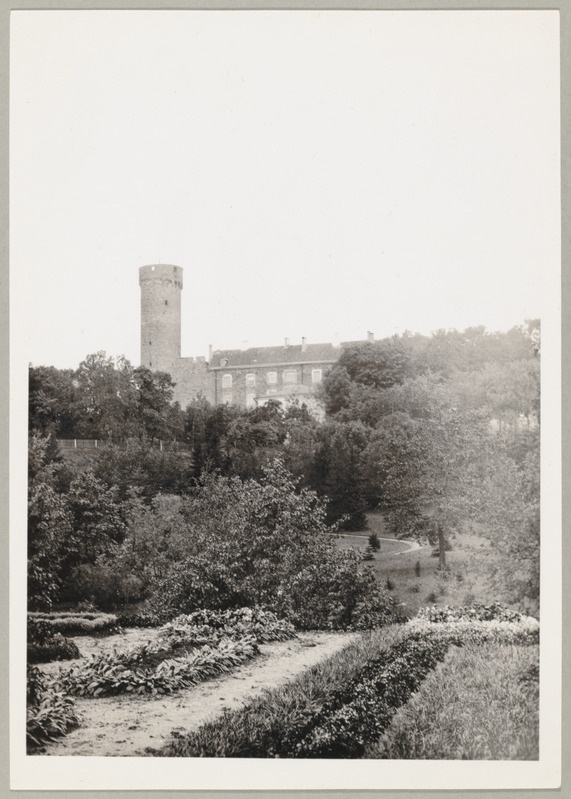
<point>143,620</point>
<point>55,648</point>
<point>262,543</point>
<point>105,586</point>
<point>464,626</point>
<point>50,713</point>
<point>44,645</point>
<point>338,594</point>
<point>207,626</point>
<point>375,542</point>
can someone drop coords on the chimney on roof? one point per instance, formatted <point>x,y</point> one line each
<point>370,335</point>
<point>303,344</point>
<point>210,352</point>
<point>286,342</point>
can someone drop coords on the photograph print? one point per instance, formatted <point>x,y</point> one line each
<point>285,399</point>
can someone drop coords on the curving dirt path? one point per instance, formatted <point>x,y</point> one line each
<point>123,726</point>
<point>398,546</point>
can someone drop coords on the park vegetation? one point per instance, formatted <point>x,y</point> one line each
<point>222,527</point>
<point>440,434</point>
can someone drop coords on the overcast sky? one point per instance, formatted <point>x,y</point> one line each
<point>316,174</point>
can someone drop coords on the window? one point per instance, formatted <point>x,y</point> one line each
<point>250,399</point>
<point>227,381</point>
<point>290,376</point>
<point>251,379</point>
<point>316,375</point>
<point>272,378</point>
<point>227,397</point>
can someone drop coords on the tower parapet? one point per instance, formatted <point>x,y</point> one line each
<point>161,286</point>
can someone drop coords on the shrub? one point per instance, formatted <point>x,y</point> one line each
<point>462,629</point>
<point>338,594</point>
<point>417,568</point>
<point>144,620</point>
<point>50,713</point>
<point>207,626</point>
<point>265,543</point>
<point>43,645</point>
<point>54,648</point>
<point>105,585</point>
<point>375,542</point>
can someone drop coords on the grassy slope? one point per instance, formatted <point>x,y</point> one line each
<point>481,703</point>
<point>463,583</point>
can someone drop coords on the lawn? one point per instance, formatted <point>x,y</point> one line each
<point>413,576</point>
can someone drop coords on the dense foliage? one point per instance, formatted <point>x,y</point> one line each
<point>439,433</point>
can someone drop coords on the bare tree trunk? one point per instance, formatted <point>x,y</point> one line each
<point>441,548</point>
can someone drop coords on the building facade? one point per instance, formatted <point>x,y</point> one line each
<point>246,378</point>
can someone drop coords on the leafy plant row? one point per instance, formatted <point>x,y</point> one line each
<point>345,716</point>
<point>204,626</point>
<point>474,612</point>
<point>187,650</point>
<point>76,623</point>
<point>461,631</point>
<point>50,712</point>
<point>107,675</point>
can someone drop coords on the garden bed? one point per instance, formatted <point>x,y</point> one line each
<point>126,725</point>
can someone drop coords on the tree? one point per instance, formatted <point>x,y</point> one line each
<point>353,389</point>
<point>254,438</point>
<point>49,525</point>
<point>153,398</point>
<point>424,461</point>
<point>106,398</point>
<point>509,510</point>
<point>51,401</point>
<point>97,524</point>
<point>205,430</point>
<point>338,474</point>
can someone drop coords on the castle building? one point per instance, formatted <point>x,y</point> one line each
<point>246,378</point>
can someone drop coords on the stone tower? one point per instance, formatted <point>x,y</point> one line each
<point>161,286</point>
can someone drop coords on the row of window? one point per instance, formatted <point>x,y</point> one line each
<point>289,377</point>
